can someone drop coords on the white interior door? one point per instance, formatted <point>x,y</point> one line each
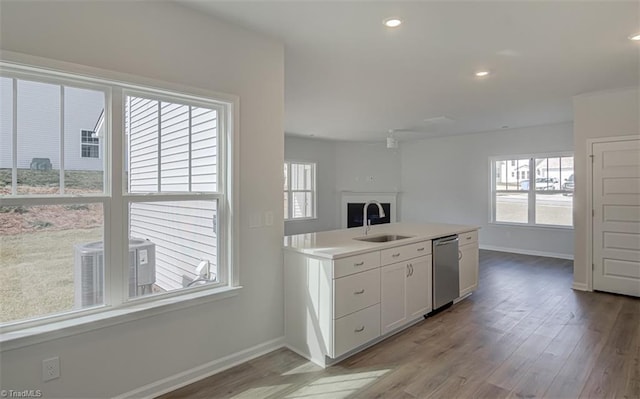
<point>616,217</point>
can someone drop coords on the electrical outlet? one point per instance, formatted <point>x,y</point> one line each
<point>51,369</point>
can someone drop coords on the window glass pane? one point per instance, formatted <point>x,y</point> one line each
<point>51,259</point>
<point>38,106</point>
<point>142,136</point>
<point>512,174</point>
<point>172,147</point>
<point>302,205</point>
<point>286,205</point>
<point>566,175</point>
<point>547,173</point>
<point>555,209</point>
<point>84,132</point>
<point>172,245</point>
<point>286,177</point>
<point>6,134</point>
<point>301,176</point>
<point>512,207</point>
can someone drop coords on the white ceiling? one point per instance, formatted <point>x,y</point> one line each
<point>348,77</point>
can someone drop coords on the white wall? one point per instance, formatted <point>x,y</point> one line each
<point>596,115</point>
<point>447,180</point>
<point>367,167</point>
<point>164,41</point>
<point>323,153</point>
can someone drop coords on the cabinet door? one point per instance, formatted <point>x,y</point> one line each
<point>419,287</point>
<point>393,306</point>
<point>468,256</point>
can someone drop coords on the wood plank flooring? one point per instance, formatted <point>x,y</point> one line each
<point>523,334</point>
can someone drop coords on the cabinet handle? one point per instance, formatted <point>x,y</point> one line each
<point>359,263</point>
<point>361,329</point>
<point>358,292</point>
<point>469,237</point>
<point>411,266</point>
<point>459,254</point>
<point>420,249</point>
<point>408,273</point>
<point>395,255</point>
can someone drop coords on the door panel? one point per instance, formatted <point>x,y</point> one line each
<point>616,220</point>
<point>419,287</point>
<point>393,312</point>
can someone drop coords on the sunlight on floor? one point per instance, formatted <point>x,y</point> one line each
<point>261,392</point>
<point>304,368</point>
<point>336,387</point>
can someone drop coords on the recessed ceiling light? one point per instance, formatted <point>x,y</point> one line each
<point>482,74</point>
<point>635,37</point>
<point>392,22</point>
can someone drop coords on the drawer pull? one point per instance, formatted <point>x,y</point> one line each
<point>359,263</point>
<point>361,329</point>
<point>469,237</point>
<point>396,255</point>
<point>420,249</point>
<point>358,292</point>
<point>459,255</point>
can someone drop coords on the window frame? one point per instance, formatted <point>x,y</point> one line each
<point>117,306</point>
<point>531,192</point>
<point>289,192</point>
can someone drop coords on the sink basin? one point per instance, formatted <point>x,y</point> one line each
<point>382,238</point>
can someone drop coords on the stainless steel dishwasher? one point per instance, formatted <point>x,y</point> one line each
<point>446,272</point>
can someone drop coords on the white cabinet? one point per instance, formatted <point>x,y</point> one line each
<point>331,306</point>
<point>419,288</point>
<point>469,262</point>
<point>406,287</point>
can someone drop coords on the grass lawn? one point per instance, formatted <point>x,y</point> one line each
<point>36,272</point>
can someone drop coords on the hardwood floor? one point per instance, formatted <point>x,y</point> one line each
<point>523,334</point>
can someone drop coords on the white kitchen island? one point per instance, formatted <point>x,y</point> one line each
<point>343,295</point>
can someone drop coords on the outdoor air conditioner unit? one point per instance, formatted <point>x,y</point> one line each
<point>89,271</point>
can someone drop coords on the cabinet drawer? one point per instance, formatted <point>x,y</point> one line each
<point>399,254</point>
<point>356,329</point>
<point>470,237</point>
<point>355,292</point>
<point>355,264</point>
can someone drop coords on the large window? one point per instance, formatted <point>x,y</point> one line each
<point>536,190</point>
<point>299,190</point>
<point>155,170</point>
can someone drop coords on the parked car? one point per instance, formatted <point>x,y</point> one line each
<point>568,185</point>
<point>542,183</point>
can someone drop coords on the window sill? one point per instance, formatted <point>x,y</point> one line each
<point>300,220</point>
<point>534,226</point>
<point>60,329</point>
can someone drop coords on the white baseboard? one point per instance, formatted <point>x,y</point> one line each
<point>527,252</point>
<point>580,287</point>
<point>206,370</point>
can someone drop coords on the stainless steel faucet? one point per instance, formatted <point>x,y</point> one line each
<point>366,223</point>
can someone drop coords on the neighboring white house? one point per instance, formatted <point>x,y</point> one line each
<point>38,108</point>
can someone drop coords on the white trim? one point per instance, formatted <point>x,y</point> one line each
<point>44,332</point>
<point>198,373</point>
<point>355,196</point>
<point>527,252</point>
<point>580,287</point>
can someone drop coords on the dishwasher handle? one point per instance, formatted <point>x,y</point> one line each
<point>445,241</point>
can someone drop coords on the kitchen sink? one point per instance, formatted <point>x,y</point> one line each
<point>382,238</point>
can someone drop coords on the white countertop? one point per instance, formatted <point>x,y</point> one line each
<point>336,244</point>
